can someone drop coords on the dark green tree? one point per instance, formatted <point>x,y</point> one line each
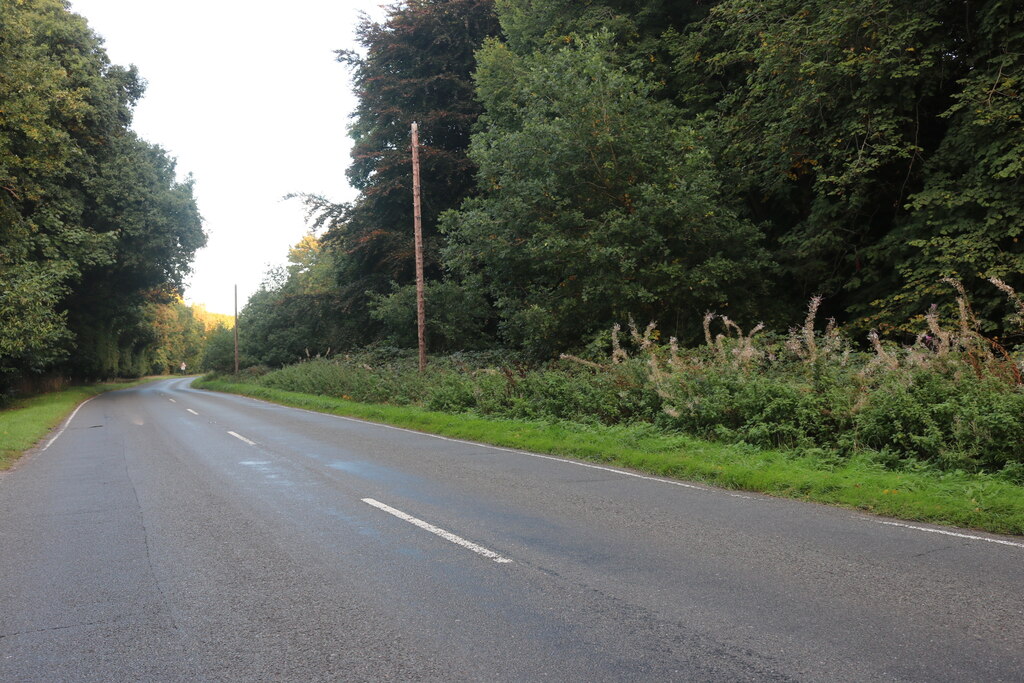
<point>967,219</point>
<point>219,351</point>
<point>597,202</point>
<point>155,229</point>
<point>875,140</point>
<point>92,221</point>
<point>417,66</point>
<point>291,316</point>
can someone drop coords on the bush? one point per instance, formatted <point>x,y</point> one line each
<point>948,402</point>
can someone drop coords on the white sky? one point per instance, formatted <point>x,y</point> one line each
<point>248,98</point>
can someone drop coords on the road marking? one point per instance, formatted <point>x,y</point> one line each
<point>565,461</point>
<point>65,425</point>
<point>487,446</point>
<point>242,438</point>
<point>949,533</point>
<point>447,535</point>
<point>191,411</point>
<point>615,471</point>
<point>172,400</point>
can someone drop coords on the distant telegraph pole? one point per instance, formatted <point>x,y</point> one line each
<point>236,329</point>
<point>421,316</point>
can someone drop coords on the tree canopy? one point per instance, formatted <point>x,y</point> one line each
<point>597,202</point>
<point>416,66</point>
<point>94,225</point>
<point>591,161</point>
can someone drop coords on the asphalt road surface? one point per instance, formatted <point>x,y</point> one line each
<point>173,534</point>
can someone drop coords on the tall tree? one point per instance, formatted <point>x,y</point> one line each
<point>874,139</point>
<point>89,214</point>
<point>155,229</point>
<point>417,66</point>
<point>967,219</point>
<point>597,203</point>
<point>291,315</point>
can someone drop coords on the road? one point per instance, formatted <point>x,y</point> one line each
<point>172,534</point>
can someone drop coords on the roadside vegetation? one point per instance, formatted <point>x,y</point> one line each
<point>97,229</point>
<point>930,430</point>
<point>580,166</point>
<point>659,160</point>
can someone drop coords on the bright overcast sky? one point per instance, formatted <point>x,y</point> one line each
<point>249,100</point>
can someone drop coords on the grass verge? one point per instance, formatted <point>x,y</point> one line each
<point>983,502</point>
<point>25,421</point>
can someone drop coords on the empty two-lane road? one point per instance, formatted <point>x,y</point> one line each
<point>172,534</point>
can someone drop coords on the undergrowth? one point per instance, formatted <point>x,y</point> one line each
<point>951,401</point>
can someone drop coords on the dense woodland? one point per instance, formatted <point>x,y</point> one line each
<point>585,162</point>
<point>96,231</point>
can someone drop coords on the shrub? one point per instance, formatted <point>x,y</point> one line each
<point>950,400</point>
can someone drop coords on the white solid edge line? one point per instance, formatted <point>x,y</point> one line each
<point>447,535</point>
<point>242,438</point>
<point>610,469</point>
<point>510,450</point>
<point>949,533</point>
<point>65,425</point>
<point>191,411</point>
<point>491,446</point>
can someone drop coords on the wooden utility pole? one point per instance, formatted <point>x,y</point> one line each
<point>236,329</point>
<point>421,316</point>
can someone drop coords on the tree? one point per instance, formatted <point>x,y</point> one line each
<point>417,66</point>
<point>180,338</point>
<point>875,140</point>
<point>597,202</point>
<point>637,26</point>
<point>219,352</point>
<point>156,231</point>
<point>91,217</point>
<point>459,319</point>
<point>968,217</point>
<point>291,316</point>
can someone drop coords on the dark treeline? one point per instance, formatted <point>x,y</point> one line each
<point>96,232</point>
<point>590,161</point>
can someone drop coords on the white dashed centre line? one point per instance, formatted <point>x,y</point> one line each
<point>172,400</point>
<point>191,411</point>
<point>447,535</point>
<point>635,475</point>
<point>242,438</point>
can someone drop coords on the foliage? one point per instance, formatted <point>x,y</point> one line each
<point>981,501</point>
<point>661,158</point>
<point>952,400</point>
<point>968,216</point>
<point>33,333</point>
<point>457,317</point>
<point>293,314</point>
<point>876,141</point>
<point>597,202</point>
<point>637,25</point>
<point>219,351</point>
<point>92,218</point>
<point>180,338</point>
<point>417,66</point>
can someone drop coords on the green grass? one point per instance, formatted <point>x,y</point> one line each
<point>25,421</point>
<point>982,502</point>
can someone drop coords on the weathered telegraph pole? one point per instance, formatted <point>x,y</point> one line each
<point>421,317</point>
